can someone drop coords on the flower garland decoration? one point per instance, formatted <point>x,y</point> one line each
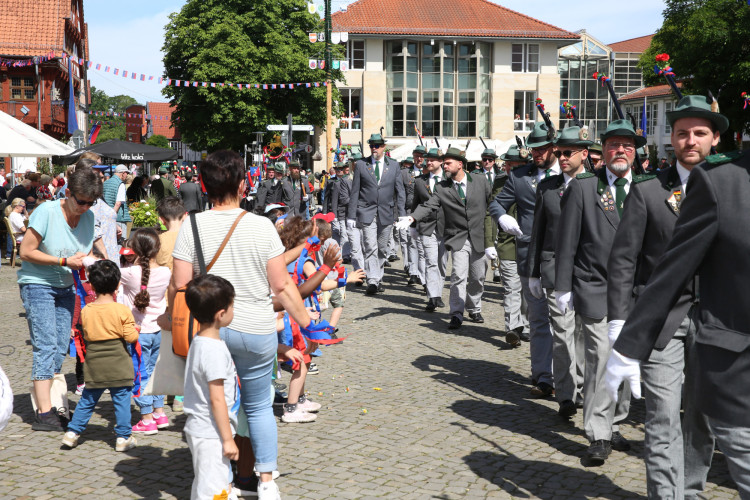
<point>601,77</point>
<point>662,66</point>
<point>746,99</point>
<point>568,110</point>
<point>539,103</point>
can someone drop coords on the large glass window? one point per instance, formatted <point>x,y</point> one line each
<point>355,53</point>
<point>350,116</point>
<point>525,57</point>
<point>524,110</point>
<point>22,88</point>
<point>441,88</point>
<point>626,76</point>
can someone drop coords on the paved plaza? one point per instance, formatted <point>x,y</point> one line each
<point>410,410</point>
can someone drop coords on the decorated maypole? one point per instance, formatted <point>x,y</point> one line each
<point>329,97</point>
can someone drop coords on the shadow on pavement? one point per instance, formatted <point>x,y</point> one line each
<point>171,474</point>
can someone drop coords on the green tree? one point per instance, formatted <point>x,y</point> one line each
<point>236,41</point>
<point>707,41</point>
<point>157,140</point>
<point>114,128</point>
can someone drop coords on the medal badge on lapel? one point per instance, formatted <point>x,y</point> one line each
<point>675,200</point>
<point>608,201</point>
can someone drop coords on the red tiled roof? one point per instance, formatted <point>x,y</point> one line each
<point>655,91</point>
<point>470,18</point>
<point>161,125</point>
<point>32,27</point>
<point>638,45</point>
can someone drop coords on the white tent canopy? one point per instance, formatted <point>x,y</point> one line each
<point>18,139</point>
<point>473,153</point>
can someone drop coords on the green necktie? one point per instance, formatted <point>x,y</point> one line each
<point>620,194</point>
<point>489,177</point>
<point>461,193</point>
<point>377,170</point>
<point>546,172</point>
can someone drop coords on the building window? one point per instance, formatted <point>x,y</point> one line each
<point>524,110</point>
<point>525,58</point>
<point>22,88</point>
<point>667,108</point>
<point>588,95</point>
<point>626,76</point>
<point>350,117</point>
<point>355,53</point>
<point>440,88</point>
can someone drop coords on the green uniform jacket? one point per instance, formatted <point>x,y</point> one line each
<point>505,243</point>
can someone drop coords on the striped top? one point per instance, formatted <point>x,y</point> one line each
<point>243,262</point>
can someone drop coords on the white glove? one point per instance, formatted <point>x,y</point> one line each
<point>509,225</point>
<point>404,222</point>
<point>535,287</point>
<point>351,224</point>
<point>564,301</point>
<point>622,369</point>
<point>89,260</point>
<point>613,331</point>
<point>490,253</point>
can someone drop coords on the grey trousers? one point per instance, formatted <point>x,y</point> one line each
<point>357,252</point>
<point>413,255</point>
<point>540,335</point>
<point>512,297</point>
<point>734,443</point>
<point>421,262</point>
<point>467,280</point>
<point>601,415</point>
<point>436,260</point>
<point>409,253</point>
<point>341,236</point>
<point>393,233</point>
<point>375,238</point>
<point>567,351</point>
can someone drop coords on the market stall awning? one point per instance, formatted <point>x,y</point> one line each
<point>18,139</point>
<point>123,152</point>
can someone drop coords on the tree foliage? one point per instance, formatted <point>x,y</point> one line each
<point>100,101</point>
<point>708,42</point>
<point>236,41</point>
<point>158,140</point>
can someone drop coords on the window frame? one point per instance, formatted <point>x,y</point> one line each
<point>23,87</point>
<point>525,63</point>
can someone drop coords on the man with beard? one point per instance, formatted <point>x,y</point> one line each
<point>463,200</point>
<point>591,210</point>
<point>520,189</point>
<point>297,191</point>
<point>419,160</point>
<point>376,190</point>
<point>673,470</point>
<point>567,344</point>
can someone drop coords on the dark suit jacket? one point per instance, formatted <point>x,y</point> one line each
<point>520,189</point>
<point>332,189</point>
<point>644,232</point>
<point>434,221</point>
<point>191,195</point>
<point>710,238</point>
<point>344,190</point>
<point>296,195</point>
<point>470,220</point>
<point>543,234</point>
<point>369,198</point>
<point>408,182</point>
<point>584,239</point>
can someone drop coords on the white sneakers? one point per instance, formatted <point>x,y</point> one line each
<point>308,405</point>
<point>125,444</point>
<point>297,416</point>
<point>70,439</point>
<point>268,491</point>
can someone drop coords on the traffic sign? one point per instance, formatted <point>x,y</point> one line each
<point>308,149</point>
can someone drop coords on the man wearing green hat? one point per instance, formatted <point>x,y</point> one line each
<point>591,211</point>
<point>492,172</point>
<point>163,187</point>
<point>272,190</point>
<point>567,343</point>
<point>355,234</point>
<point>418,154</point>
<point>520,189</point>
<point>376,195</point>
<point>296,191</point>
<point>595,153</point>
<point>463,201</point>
<point>659,354</point>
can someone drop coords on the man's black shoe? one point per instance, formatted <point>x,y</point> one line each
<point>598,451</point>
<point>567,409</point>
<point>347,260</point>
<point>381,288</point>
<point>439,302</point>
<point>410,281</point>
<point>511,338</point>
<point>49,421</point>
<point>371,289</point>
<point>619,443</point>
<point>476,317</point>
<point>359,283</point>
<point>386,264</point>
<point>497,279</point>
<point>455,323</point>
<point>424,289</point>
<point>431,306</point>
<point>392,258</point>
<point>523,336</point>
<point>542,390</point>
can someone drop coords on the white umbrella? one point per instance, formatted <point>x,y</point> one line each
<point>20,139</point>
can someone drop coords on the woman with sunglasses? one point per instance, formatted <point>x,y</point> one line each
<point>59,236</point>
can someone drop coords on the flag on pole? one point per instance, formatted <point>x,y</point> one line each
<point>95,132</point>
<point>644,123</point>
<point>72,119</point>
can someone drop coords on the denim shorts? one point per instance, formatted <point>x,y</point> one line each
<point>49,313</point>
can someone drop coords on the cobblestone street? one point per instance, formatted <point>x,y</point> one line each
<point>410,410</point>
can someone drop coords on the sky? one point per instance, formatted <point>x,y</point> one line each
<point>129,35</point>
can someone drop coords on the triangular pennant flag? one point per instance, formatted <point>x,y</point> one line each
<point>124,74</point>
<point>273,86</point>
<point>116,71</point>
<point>205,84</point>
<point>265,86</point>
<point>89,65</point>
<point>283,86</point>
<point>307,85</point>
<point>169,81</point>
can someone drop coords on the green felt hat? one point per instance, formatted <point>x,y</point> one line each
<point>539,136</point>
<point>356,156</point>
<point>279,167</point>
<point>513,154</point>
<point>376,139</point>
<point>574,136</point>
<point>420,149</point>
<point>623,128</point>
<point>163,170</point>
<point>489,152</point>
<point>596,146</point>
<point>698,106</point>
<point>433,153</point>
<point>408,159</point>
<point>294,164</point>
<point>456,154</point>
<point>340,165</point>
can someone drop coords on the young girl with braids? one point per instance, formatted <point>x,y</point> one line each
<point>144,287</point>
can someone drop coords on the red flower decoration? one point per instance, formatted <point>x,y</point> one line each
<point>662,57</point>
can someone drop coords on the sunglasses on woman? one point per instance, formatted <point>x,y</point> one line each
<point>83,203</point>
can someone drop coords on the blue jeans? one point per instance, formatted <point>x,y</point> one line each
<point>49,314</point>
<point>253,357</point>
<point>150,343</point>
<point>85,408</point>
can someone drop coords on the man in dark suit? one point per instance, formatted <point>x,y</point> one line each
<point>354,233</point>
<point>520,189</point>
<point>408,247</point>
<point>468,228</point>
<point>296,188</point>
<point>567,343</point>
<point>271,190</point>
<point>430,231</point>
<point>333,204</point>
<point>591,208</point>
<point>488,168</point>
<point>191,195</point>
<point>376,190</point>
<point>651,211</point>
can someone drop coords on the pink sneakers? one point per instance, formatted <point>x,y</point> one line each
<point>162,420</point>
<point>145,428</point>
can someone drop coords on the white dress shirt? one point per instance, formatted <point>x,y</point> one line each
<point>684,176</point>
<point>611,178</point>
<point>541,173</point>
<point>464,186</point>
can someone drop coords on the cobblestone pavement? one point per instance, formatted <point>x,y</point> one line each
<point>410,410</point>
